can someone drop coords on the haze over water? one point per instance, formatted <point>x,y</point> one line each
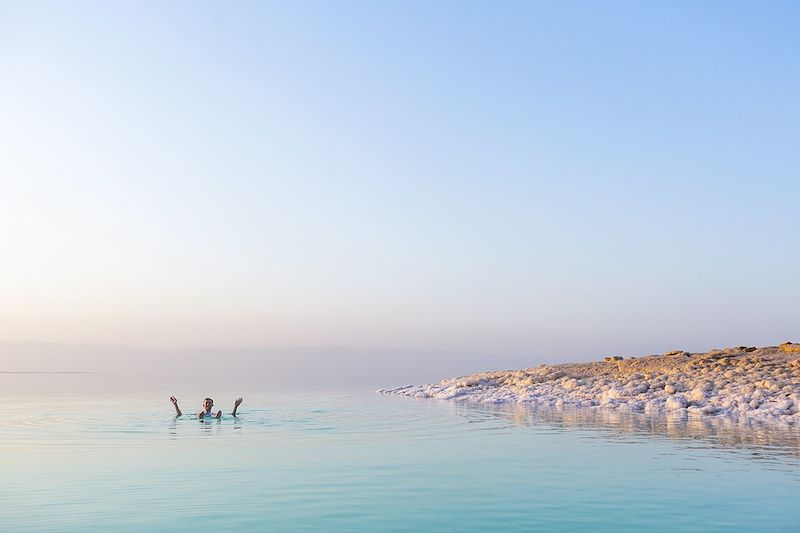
<point>299,203</point>
<point>545,182</point>
<point>357,461</point>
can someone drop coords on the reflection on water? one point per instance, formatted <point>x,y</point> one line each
<point>712,432</point>
<point>366,462</point>
<point>207,425</point>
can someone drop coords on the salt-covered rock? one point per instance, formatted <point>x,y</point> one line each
<point>637,406</point>
<point>784,405</point>
<point>675,402</point>
<point>612,394</point>
<point>570,384</point>
<point>764,384</point>
<point>638,388</point>
<point>697,395</point>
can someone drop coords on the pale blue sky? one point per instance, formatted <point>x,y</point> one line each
<point>537,178</point>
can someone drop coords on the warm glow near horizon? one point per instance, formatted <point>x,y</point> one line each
<point>471,179</point>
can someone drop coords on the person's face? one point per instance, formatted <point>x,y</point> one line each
<point>208,404</point>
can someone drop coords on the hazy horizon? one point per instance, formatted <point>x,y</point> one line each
<point>250,366</point>
<point>276,366</point>
<point>470,183</point>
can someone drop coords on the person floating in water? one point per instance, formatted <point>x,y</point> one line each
<point>208,403</point>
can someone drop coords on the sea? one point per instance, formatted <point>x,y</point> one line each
<point>107,453</point>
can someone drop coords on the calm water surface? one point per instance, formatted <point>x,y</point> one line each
<point>359,461</point>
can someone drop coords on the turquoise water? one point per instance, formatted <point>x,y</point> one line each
<point>360,461</point>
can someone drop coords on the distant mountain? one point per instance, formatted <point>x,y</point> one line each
<point>296,365</point>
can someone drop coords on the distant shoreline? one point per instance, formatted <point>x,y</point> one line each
<point>741,382</point>
<point>46,372</point>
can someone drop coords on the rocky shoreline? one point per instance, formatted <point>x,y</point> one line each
<point>740,382</point>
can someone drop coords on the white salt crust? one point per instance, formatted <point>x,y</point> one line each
<point>762,384</point>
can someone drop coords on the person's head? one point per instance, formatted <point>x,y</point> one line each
<point>208,403</point>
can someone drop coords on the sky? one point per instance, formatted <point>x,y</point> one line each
<point>545,179</point>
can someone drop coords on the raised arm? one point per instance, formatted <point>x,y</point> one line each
<point>174,401</point>
<point>236,405</point>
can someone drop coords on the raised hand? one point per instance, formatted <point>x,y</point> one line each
<point>174,401</point>
<point>236,403</point>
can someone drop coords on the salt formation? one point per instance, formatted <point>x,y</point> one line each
<point>741,382</point>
